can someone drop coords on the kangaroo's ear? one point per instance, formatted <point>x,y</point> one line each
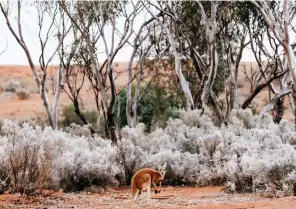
<point>163,167</point>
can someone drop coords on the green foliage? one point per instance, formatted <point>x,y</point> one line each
<point>155,107</point>
<point>69,116</point>
<point>100,11</point>
<point>189,26</point>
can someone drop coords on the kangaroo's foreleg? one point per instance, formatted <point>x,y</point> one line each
<point>149,190</point>
<point>155,186</point>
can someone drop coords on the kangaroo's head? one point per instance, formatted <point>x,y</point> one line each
<point>159,176</point>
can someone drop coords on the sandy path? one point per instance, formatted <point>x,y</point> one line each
<point>181,198</point>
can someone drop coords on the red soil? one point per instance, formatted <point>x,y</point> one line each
<point>181,198</point>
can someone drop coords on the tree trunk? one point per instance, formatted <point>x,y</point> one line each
<point>212,75</point>
<point>81,116</point>
<point>22,43</point>
<point>111,127</point>
<point>45,101</point>
<point>210,27</point>
<point>57,98</point>
<point>130,111</point>
<point>178,68</point>
<point>217,110</point>
<point>290,54</point>
<point>137,94</point>
<point>294,99</point>
<point>278,111</point>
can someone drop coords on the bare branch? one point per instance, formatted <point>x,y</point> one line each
<point>277,96</point>
<point>6,47</point>
<point>259,88</point>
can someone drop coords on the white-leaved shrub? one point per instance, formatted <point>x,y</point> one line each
<point>12,85</point>
<point>249,154</point>
<point>35,158</point>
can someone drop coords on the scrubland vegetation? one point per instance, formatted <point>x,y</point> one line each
<point>251,154</point>
<point>182,101</point>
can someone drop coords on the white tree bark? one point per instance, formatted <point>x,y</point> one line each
<point>57,97</point>
<point>283,38</point>
<point>178,68</point>
<point>133,120</point>
<point>210,26</point>
<point>277,96</point>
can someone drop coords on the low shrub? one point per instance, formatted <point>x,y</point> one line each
<point>35,158</point>
<point>12,85</point>
<point>69,116</point>
<point>22,94</point>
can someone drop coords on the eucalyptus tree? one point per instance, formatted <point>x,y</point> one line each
<point>93,19</point>
<point>214,41</point>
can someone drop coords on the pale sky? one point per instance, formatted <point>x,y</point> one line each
<point>14,55</point>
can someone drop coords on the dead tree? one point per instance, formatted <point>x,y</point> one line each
<point>260,87</point>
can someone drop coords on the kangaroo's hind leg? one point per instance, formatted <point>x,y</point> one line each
<point>135,194</point>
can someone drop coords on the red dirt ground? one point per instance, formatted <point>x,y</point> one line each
<point>178,198</point>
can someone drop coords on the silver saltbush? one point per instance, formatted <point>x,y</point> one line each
<point>250,154</point>
<point>35,158</point>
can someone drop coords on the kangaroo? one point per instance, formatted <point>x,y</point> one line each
<point>143,178</point>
